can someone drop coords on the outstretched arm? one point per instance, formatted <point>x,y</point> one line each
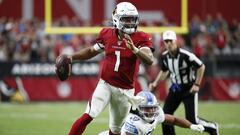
<point>63,62</point>
<point>172,120</point>
<point>84,54</point>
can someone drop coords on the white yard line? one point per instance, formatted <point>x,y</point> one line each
<point>230,126</point>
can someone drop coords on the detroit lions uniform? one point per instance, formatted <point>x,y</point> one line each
<point>135,125</point>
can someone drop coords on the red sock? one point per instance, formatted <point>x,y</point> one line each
<point>110,133</point>
<point>79,125</point>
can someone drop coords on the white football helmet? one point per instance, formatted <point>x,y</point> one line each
<point>125,17</point>
<point>149,107</point>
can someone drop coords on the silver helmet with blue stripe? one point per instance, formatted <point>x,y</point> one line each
<point>149,107</point>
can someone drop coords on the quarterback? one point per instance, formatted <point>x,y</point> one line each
<point>124,47</point>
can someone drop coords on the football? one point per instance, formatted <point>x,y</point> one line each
<point>63,67</point>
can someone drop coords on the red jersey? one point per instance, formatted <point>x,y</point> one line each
<point>120,66</point>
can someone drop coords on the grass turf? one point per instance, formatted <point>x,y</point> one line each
<point>56,118</point>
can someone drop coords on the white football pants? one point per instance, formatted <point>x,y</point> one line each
<point>119,105</point>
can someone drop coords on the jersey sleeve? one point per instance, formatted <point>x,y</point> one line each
<point>163,63</point>
<point>146,41</point>
<point>194,60</point>
<point>161,116</point>
<point>100,40</point>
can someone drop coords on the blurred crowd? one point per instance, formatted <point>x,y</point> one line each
<point>214,35</point>
<point>25,40</point>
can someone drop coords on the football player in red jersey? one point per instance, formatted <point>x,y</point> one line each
<point>124,48</point>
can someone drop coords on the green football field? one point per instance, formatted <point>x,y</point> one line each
<point>43,118</point>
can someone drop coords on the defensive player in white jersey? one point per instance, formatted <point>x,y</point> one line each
<point>148,115</point>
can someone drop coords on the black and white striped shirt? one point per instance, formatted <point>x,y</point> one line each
<point>182,66</point>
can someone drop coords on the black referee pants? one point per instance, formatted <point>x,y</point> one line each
<point>190,101</point>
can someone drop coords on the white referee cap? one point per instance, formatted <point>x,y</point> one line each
<point>169,35</point>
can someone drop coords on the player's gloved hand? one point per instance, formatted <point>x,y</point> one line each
<point>134,100</point>
<point>197,128</point>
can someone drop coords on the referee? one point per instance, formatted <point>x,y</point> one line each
<point>186,72</point>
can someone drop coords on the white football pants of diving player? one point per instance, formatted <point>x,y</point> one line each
<point>117,99</point>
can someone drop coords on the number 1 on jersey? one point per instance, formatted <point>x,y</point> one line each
<point>117,53</point>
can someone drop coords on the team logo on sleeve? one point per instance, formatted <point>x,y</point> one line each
<point>130,128</point>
